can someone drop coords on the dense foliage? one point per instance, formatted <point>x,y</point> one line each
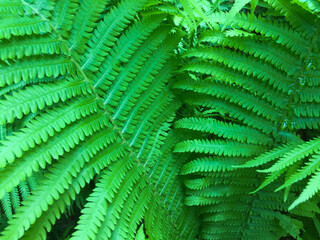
<point>136,119</point>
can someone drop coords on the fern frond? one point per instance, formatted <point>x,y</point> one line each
<point>106,31</point>
<point>234,95</point>
<point>226,148</point>
<point>63,16</point>
<point>52,149</point>
<point>56,182</point>
<point>97,208</point>
<point>302,20</point>
<point>92,167</point>
<point>225,130</point>
<point>288,157</point>
<point>207,164</point>
<point>268,157</point>
<point>304,110</point>
<point>38,97</point>
<point>234,77</point>
<point>116,88</point>
<point>276,55</point>
<point>167,202</point>
<point>126,46</point>
<point>34,68</point>
<point>88,98</point>
<point>23,25</point>
<point>253,75</point>
<point>307,94</point>
<point>311,189</point>
<point>133,212</point>
<point>233,110</point>
<point>244,64</point>
<point>45,126</point>
<point>279,32</point>
<point>118,57</point>
<point>296,154</point>
<point>31,46</point>
<point>14,7</point>
<point>310,167</point>
<point>269,179</point>
<point>84,22</point>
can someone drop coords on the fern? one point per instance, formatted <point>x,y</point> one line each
<point>311,6</point>
<point>290,156</point>
<point>95,75</point>
<point>255,74</point>
<point>159,119</point>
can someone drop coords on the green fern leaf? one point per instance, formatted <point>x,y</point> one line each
<point>311,189</point>
<point>295,154</point>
